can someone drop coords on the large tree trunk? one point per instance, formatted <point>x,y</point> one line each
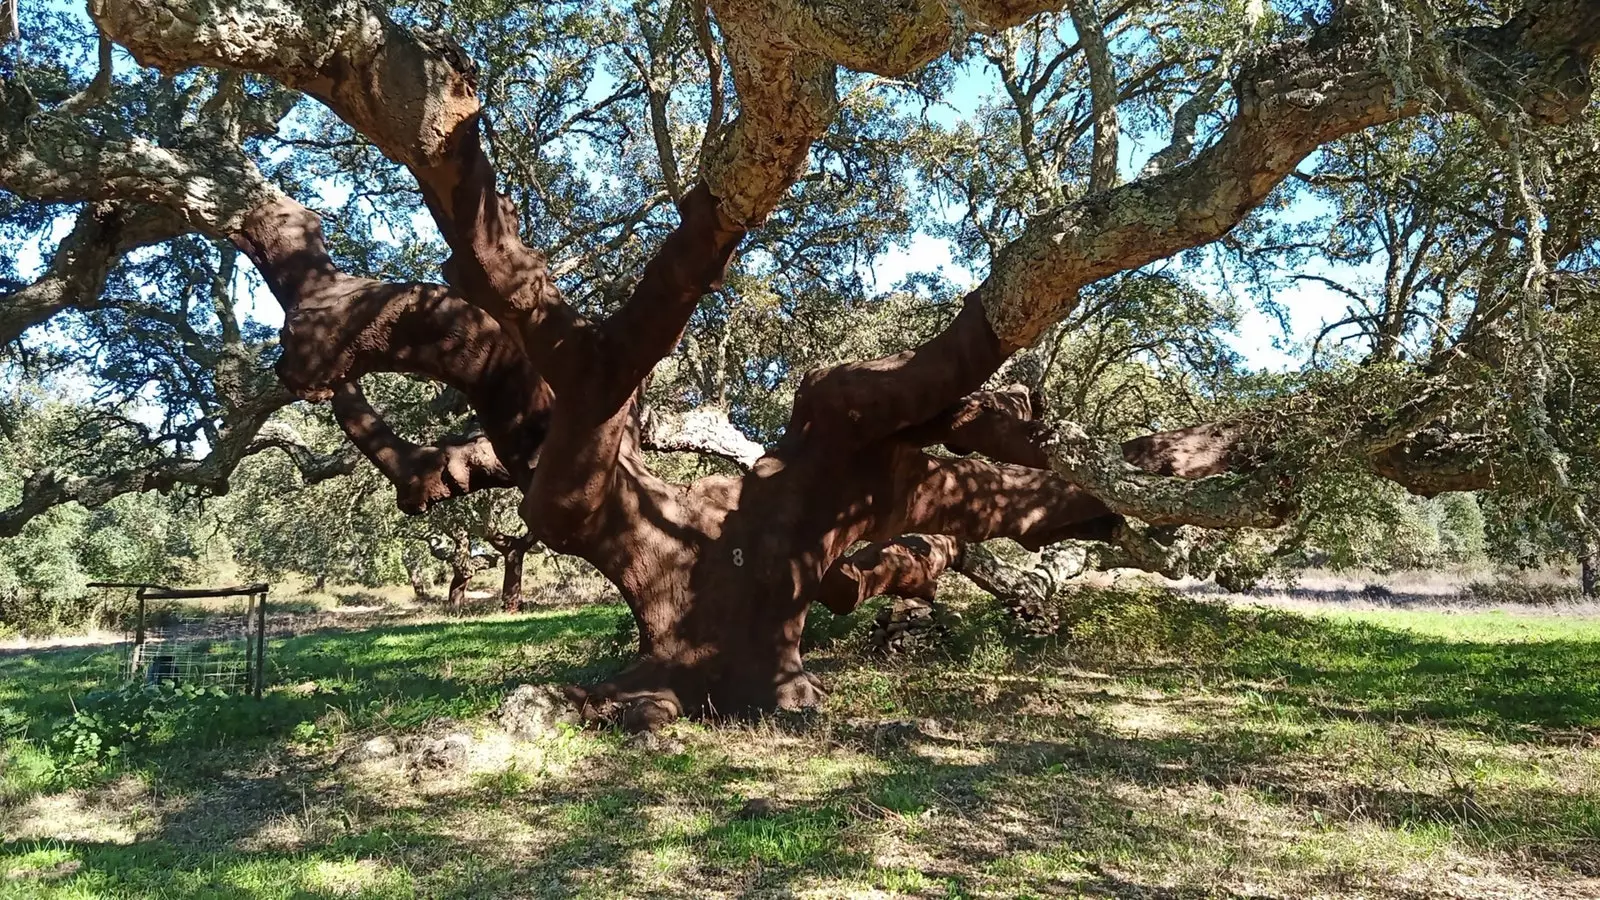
<point>1586,579</point>
<point>511,583</point>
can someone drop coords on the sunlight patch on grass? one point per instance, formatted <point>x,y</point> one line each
<point>794,838</point>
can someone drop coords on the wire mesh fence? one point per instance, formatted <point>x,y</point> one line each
<point>226,649</point>
<point>214,662</point>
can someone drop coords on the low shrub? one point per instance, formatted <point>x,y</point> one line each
<point>108,726</point>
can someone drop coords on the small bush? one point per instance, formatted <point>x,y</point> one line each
<point>111,725</point>
<point>1144,624</point>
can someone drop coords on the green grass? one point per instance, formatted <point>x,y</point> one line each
<point>1157,748</point>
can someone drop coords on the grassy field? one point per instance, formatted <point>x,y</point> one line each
<point>1159,748</point>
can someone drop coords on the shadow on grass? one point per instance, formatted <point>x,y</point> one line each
<point>1034,817</point>
<point>1512,689</point>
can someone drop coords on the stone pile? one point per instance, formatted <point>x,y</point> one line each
<point>905,625</point>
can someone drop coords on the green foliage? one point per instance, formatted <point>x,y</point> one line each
<point>787,839</point>
<point>1353,520</point>
<point>45,571</point>
<point>1148,624</point>
<point>106,726</point>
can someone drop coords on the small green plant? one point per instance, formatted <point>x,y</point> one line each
<point>13,722</point>
<point>511,781</point>
<point>792,839</point>
<point>109,725</point>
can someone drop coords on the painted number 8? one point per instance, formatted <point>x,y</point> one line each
<point>738,557</point>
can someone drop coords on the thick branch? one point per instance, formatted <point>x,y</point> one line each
<point>998,424</point>
<point>207,181</point>
<point>649,325</point>
<point>338,328</point>
<point>102,235</point>
<point>1195,476</point>
<point>856,403</point>
<point>422,474</point>
<point>785,54</point>
<point>409,92</point>
<point>1436,461</point>
<point>705,430</point>
<point>413,94</point>
<point>908,566</point>
<point>1296,97</point>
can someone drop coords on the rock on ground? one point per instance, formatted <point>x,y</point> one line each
<point>535,710</point>
<point>380,747</point>
<point>446,754</point>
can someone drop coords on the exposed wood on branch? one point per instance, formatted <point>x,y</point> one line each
<point>704,430</point>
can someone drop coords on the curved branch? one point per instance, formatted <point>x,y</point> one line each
<point>314,467</point>
<point>338,327</point>
<point>908,566</point>
<point>411,93</point>
<point>856,403</point>
<point>1195,476</point>
<point>785,54</point>
<point>422,474</point>
<point>1294,98</point>
<point>197,174</point>
<point>998,424</point>
<point>101,236</point>
<point>1436,460</point>
<point>236,439</point>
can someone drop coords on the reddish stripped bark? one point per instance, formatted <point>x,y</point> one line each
<point>908,566</point>
<point>338,327</point>
<point>422,474</point>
